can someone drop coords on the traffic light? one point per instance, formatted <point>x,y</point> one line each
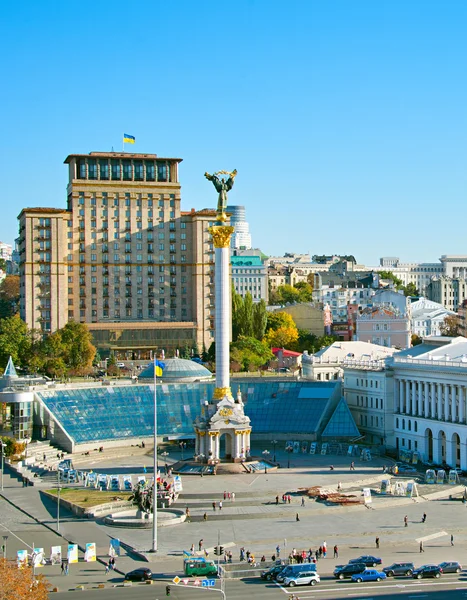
<point>167,590</point>
<point>219,550</point>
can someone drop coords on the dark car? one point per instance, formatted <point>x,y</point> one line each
<point>139,575</point>
<point>346,571</point>
<point>369,561</point>
<point>450,567</point>
<point>401,568</point>
<point>427,571</point>
<point>271,573</point>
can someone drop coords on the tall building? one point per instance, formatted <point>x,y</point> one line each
<point>122,257</point>
<point>241,237</point>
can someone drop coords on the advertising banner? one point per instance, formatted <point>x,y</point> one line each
<point>385,486</point>
<point>367,495</point>
<point>430,476</point>
<point>312,447</point>
<point>324,448</point>
<point>178,484</point>
<point>440,476</point>
<point>409,489</point>
<point>72,553</point>
<point>453,477</point>
<point>90,552</point>
<point>114,549</point>
<point>38,557</point>
<point>55,555</point>
<point>22,558</point>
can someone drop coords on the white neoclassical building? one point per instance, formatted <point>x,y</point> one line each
<point>424,390</point>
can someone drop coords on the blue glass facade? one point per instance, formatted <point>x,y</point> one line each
<point>118,412</point>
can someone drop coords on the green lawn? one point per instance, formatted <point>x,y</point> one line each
<point>87,498</point>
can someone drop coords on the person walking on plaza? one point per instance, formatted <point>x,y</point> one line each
<point>187,514</point>
<point>214,506</point>
<point>406,521</point>
<point>200,544</point>
<point>205,516</point>
<point>452,540</point>
<point>220,505</point>
<point>377,542</point>
<point>278,550</point>
<point>422,549</point>
<point>339,486</point>
<point>277,500</point>
<point>107,568</point>
<point>303,500</point>
<point>225,495</point>
<point>424,518</point>
<point>63,570</point>
<point>352,466</point>
<point>325,549</point>
<point>233,496</point>
<point>192,549</point>
<point>297,518</point>
<point>336,552</point>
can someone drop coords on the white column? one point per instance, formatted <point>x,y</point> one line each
<point>426,399</point>
<point>461,405</point>
<point>439,399</point>
<point>414,400</point>
<point>419,407</point>
<point>453,403</point>
<point>401,396</point>
<point>433,400</point>
<point>407,397</point>
<point>218,446</point>
<point>446,401</point>
<point>222,334</point>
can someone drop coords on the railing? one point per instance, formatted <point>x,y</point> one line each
<point>423,362</point>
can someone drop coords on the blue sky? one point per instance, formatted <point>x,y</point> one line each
<point>346,120</point>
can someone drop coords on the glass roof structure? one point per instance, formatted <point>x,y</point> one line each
<point>177,369</point>
<point>341,424</point>
<point>119,412</point>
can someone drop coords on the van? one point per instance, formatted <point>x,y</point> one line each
<point>294,570</point>
<point>303,578</point>
<point>199,566</point>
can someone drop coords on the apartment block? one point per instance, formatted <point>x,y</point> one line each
<point>122,257</point>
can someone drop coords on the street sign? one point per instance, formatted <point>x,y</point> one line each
<point>176,579</point>
<point>208,582</point>
<point>185,581</point>
<point>197,581</point>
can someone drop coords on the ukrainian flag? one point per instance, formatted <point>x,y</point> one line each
<point>128,139</point>
<point>159,367</point>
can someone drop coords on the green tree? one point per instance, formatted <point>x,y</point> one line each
<point>9,296</point>
<point>237,314</point>
<point>289,294</point>
<point>14,341</point>
<point>411,289</point>
<point>250,353</point>
<point>279,319</point>
<point>246,325</point>
<point>416,340</point>
<point>390,275</point>
<point>260,319</point>
<point>74,346</point>
<point>450,327</point>
<point>283,337</point>
<point>305,291</point>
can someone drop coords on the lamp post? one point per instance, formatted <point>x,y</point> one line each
<point>182,447</point>
<point>59,487</point>
<point>274,443</point>
<point>5,540</point>
<point>266,454</point>
<point>3,445</point>
<point>165,454</point>
<point>289,449</point>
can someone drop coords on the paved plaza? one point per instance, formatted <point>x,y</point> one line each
<point>252,521</point>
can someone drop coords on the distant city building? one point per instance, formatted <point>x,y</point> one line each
<point>241,237</point>
<point>448,291</point>
<point>306,316</point>
<point>122,257</point>
<point>427,317</point>
<point>386,322</point>
<point>249,275</point>
<point>6,251</point>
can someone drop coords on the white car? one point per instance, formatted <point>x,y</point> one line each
<point>303,578</point>
<point>120,365</point>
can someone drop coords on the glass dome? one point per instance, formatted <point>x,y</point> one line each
<point>178,369</point>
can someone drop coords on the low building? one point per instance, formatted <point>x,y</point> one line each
<point>249,274</point>
<point>448,291</point>
<point>427,317</point>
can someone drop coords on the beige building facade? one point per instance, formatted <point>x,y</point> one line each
<point>122,257</point>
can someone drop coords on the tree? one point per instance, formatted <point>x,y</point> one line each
<point>390,275</point>
<point>279,319</point>
<point>237,314</point>
<point>260,319</point>
<point>250,353</point>
<point>305,291</point>
<point>14,341</point>
<point>289,294</point>
<point>21,584</point>
<point>450,327</point>
<point>282,337</point>
<point>411,289</point>
<point>416,340</point>
<point>78,349</point>
<point>246,324</point>
<point>9,296</point>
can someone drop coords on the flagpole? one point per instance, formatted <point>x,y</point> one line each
<point>123,144</point>
<point>154,494</point>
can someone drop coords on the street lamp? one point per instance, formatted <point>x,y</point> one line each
<point>165,454</point>
<point>5,540</point>
<point>289,449</point>
<point>274,442</point>
<point>3,445</point>
<point>182,447</point>
<point>266,454</point>
<point>59,487</point>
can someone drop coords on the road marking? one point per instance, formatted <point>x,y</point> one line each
<point>430,537</point>
<point>252,482</point>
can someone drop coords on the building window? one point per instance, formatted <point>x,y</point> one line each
<point>92,168</point>
<point>126,164</point>
<point>104,169</point>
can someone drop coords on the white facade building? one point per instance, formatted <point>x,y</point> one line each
<point>241,237</point>
<point>427,317</point>
<point>423,392</point>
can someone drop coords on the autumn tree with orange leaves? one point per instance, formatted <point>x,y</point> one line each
<point>21,584</point>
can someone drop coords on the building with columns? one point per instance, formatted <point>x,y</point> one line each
<point>424,389</point>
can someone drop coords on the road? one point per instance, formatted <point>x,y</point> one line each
<point>449,586</point>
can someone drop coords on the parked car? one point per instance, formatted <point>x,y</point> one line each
<point>401,568</point>
<point>271,573</point>
<point>369,561</point>
<point>142,574</point>
<point>290,571</point>
<point>346,571</point>
<point>427,571</point>
<point>450,567</point>
<point>120,365</point>
<point>369,575</point>
<point>303,578</point>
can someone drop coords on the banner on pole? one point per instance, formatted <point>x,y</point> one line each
<point>72,553</point>
<point>55,555</point>
<point>22,558</point>
<point>90,552</point>
<point>38,557</point>
<point>114,549</point>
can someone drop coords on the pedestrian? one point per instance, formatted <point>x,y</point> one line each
<point>424,518</point>
<point>336,552</point>
<point>192,549</point>
<point>273,558</point>
<point>214,506</point>
<point>297,518</point>
<point>220,505</point>
<point>289,498</point>
<point>206,553</point>
<point>67,568</point>
<point>277,500</point>
<point>263,558</point>
<point>63,568</point>
<point>205,516</point>
<point>200,544</point>
<point>325,549</point>
<point>320,551</point>
<point>452,540</point>
<point>377,542</point>
<point>233,496</point>
<point>248,555</point>
<point>339,486</point>
<point>421,547</point>
<point>406,521</point>
<point>187,514</point>
<point>352,466</point>
<point>44,457</point>
<point>225,495</point>
<point>384,468</point>
<point>278,550</point>
<point>230,556</point>
<point>303,501</point>
<point>229,495</point>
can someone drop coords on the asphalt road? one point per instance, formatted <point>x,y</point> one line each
<point>449,586</point>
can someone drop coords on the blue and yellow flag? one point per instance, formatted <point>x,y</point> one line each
<point>159,367</point>
<point>128,139</point>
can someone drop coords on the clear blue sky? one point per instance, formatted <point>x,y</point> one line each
<point>346,120</point>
